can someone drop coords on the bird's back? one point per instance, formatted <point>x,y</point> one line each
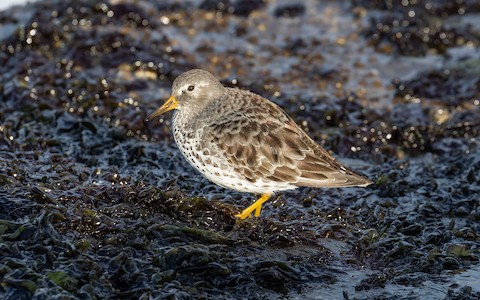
<point>265,147</point>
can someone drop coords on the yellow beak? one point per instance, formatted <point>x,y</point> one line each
<point>170,104</point>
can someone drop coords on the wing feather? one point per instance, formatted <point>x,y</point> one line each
<point>262,142</point>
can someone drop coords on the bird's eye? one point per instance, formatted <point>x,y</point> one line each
<point>191,88</point>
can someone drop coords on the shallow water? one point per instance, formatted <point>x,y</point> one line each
<point>95,205</point>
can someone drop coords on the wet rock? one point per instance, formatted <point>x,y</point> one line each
<point>215,5</point>
<point>19,284</point>
<point>109,208</point>
<point>245,7</point>
<point>411,27</point>
<point>413,229</point>
<point>275,275</point>
<point>460,251</point>
<point>465,292</point>
<point>290,10</point>
<point>62,279</point>
<point>236,7</point>
<point>450,263</point>
<point>443,85</point>
<point>374,281</point>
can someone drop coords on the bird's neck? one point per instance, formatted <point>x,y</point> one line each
<point>189,118</point>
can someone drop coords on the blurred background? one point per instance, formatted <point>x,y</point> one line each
<point>8,3</point>
<point>93,204</point>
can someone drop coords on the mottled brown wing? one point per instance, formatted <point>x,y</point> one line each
<point>319,168</point>
<point>261,141</point>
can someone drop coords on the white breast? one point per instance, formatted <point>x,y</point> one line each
<point>217,169</point>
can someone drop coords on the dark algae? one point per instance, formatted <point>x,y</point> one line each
<point>415,27</point>
<point>94,205</point>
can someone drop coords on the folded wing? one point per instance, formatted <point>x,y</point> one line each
<point>261,141</point>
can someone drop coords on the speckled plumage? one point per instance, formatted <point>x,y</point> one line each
<point>242,141</point>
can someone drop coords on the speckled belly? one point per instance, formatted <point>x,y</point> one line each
<point>215,167</point>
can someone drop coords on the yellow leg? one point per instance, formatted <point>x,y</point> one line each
<point>257,207</point>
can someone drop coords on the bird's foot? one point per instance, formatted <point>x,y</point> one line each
<point>257,207</point>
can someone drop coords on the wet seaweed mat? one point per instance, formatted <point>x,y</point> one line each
<point>92,205</point>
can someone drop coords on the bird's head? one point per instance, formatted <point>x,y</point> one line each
<point>191,91</point>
